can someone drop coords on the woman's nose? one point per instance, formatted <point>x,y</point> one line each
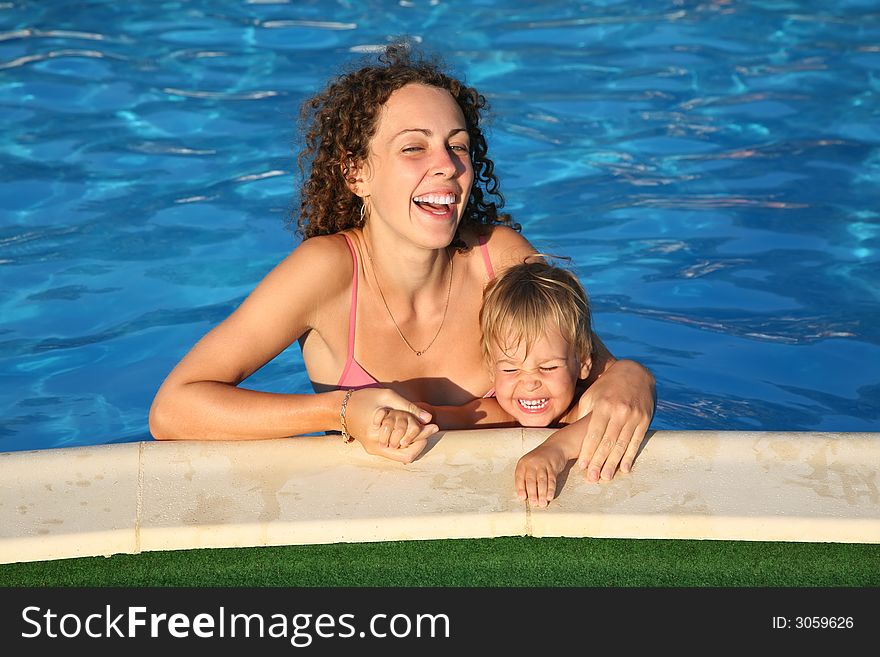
<point>443,164</point>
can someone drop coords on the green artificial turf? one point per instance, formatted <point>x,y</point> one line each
<point>509,561</point>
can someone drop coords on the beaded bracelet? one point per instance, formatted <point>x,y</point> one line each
<point>346,437</point>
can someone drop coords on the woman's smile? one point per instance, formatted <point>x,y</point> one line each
<point>440,205</point>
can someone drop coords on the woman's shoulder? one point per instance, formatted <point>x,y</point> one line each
<point>324,261</point>
<point>321,251</point>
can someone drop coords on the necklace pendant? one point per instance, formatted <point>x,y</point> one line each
<point>418,353</point>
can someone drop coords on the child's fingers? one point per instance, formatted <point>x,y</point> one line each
<point>418,432</point>
<point>399,424</point>
<point>379,416</point>
<point>409,429</point>
<point>385,430</point>
<point>531,486</point>
<point>541,481</point>
<point>550,491</point>
<point>406,454</point>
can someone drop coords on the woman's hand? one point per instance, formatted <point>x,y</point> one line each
<point>397,429</point>
<point>622,404</point>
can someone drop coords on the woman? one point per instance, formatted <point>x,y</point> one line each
<point>401,233</point>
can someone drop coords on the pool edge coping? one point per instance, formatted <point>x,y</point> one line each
<point>149,496</point>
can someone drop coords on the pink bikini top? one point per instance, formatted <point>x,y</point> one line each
<point>353,375</point>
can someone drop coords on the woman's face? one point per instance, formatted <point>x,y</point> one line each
<point>418,176</point>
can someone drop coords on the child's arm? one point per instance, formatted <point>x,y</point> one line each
<point>483,413</point>
<point>536,471</point>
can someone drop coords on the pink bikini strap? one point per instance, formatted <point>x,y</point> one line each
<point>488,262</point>
<point>352,312</point>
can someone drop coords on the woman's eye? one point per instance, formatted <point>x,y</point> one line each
<point>460,148</point>
<point>412,149</point>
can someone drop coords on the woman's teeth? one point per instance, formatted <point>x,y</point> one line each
<point>435,199</point>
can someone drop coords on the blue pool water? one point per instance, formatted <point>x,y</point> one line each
<point>712,167</point>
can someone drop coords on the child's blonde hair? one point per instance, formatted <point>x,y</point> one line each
<point>519,306</point>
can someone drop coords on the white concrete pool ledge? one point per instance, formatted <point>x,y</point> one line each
<point>137,497</point>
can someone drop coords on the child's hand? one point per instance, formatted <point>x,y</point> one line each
<point>397,435</point>
<point>399,429</point>
<point>536,473</point>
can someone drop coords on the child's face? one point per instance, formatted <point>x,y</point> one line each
<point>537,388</point>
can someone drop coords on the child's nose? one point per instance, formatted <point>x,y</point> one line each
<point>531,381</point>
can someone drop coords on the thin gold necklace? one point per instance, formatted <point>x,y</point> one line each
<point>417,352</point>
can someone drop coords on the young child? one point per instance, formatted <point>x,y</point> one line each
<point>536,339</point>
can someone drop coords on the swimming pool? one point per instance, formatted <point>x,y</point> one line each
<point>712,167</point>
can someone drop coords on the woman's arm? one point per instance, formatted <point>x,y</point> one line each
<point>201,398</point>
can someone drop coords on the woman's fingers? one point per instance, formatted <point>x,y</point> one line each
<point>369,410</point>
<point>399,403</point>
<point>622,404</point>
<point>613,439</point>
<point>621,443</point>
<point>633,449</point>
<point>595,433</point>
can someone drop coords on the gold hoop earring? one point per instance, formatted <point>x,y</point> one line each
<point>363,211</point>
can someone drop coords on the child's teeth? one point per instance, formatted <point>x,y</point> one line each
<point>533,403</point>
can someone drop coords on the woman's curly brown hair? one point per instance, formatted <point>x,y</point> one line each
<point>340,121</point>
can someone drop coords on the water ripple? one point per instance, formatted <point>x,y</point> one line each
<point>322,25</point>
<point>598,20</point>
<point>261,176</point>
<point>221,95</point>
<point>28,33</point>
<point>785,329</point>
<point>55,54</point>
<point>707,201</point>
<point>156,148</point>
